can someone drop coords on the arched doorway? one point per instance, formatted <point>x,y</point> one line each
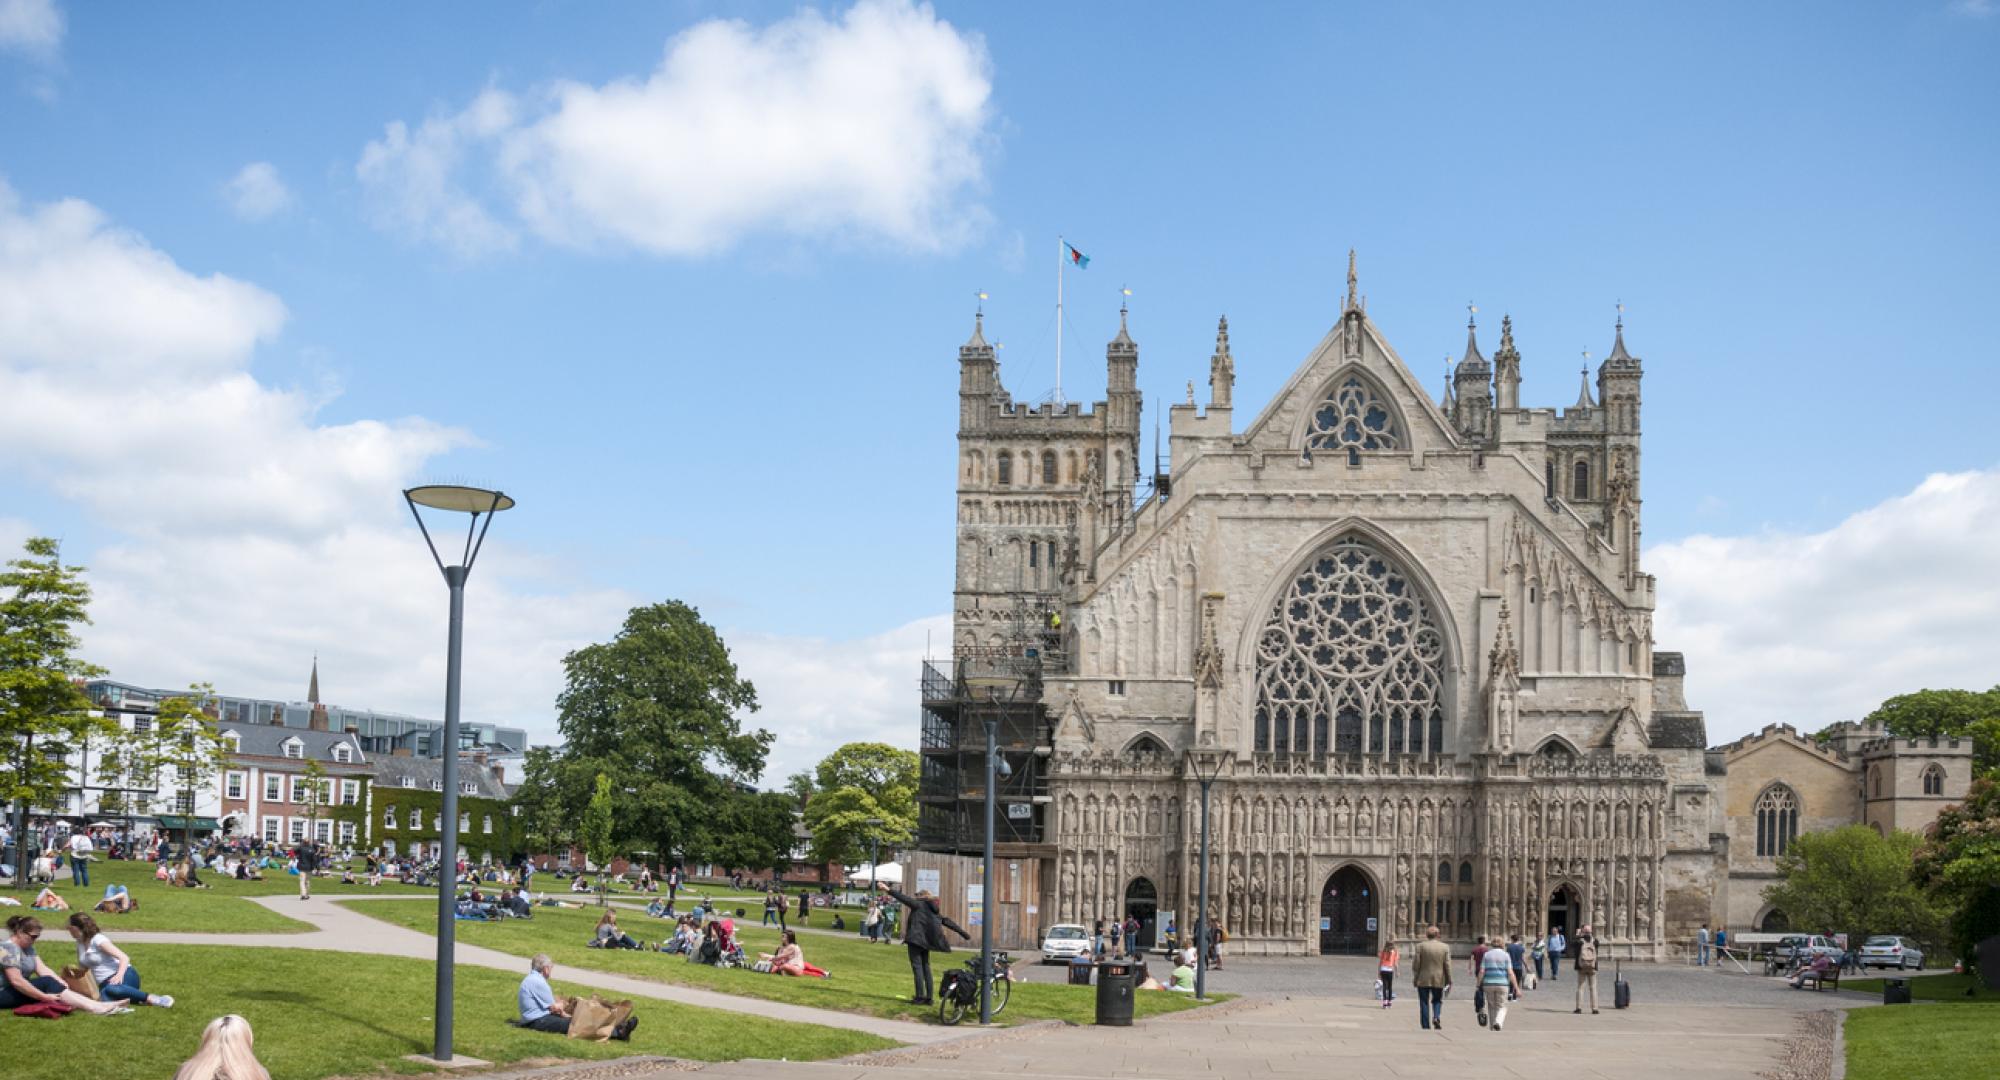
<point>1565,913</point>
<point>1142,902</point>
<point>1775,922</point>
<point>1347,913</point>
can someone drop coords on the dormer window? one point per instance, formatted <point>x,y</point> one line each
<point>230,739</point>
<point>437,785</point>
<point>468,788</point>
<point>343,753</point>
<point>294,748</point>
<point>409,781</point>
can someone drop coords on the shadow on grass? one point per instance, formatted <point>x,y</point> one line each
<point>294,997</point>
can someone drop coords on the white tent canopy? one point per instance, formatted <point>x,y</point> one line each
<point>888,871</point>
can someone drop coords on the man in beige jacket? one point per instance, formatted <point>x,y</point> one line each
<point>1432,974</point>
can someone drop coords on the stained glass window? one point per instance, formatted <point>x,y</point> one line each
<point>1353,418</point>
<point>1350,640</point>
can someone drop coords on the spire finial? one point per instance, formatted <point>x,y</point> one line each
<point>1353,283</point>
<point>1471,315</point>
<point>1583,398</point>
<point>312,688</point>
<point>1621,316</point>
<point>1506,331</point>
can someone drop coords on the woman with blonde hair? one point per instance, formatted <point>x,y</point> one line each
<point>225,1053</point>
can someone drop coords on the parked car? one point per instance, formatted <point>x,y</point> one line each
<point>1064,942</point>
<point>1891,950</point>
<point>1809,946</point>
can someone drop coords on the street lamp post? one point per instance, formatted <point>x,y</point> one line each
<point>995,769</point>
<point>477,502</point>
<point>1206,765</point>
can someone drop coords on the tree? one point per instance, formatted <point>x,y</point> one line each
<point>545,822</point>
<point>1960,864</point>
<point>316,796</point>
<point>755,831</point>
<point>864,791</point>
<point>43,711</point>
<point>186,751</point>
<point>1943,713</point>
<point>656,710</point>
<point>1856,881</point>
<point>597,831</point>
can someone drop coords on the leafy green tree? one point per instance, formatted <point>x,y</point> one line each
<point>545,820</point>
<point>1855,881</point>
<point>1963,713</point>
<point>43,710</point>
<point>1960,864</point>
<point>316,795</point>
<point>755,831</point>
<point>863,791</point>
<point>656,710</point>
<point>185,751</point>
<point>596,828</point>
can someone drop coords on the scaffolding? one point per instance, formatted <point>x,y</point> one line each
<point>1000,683</point>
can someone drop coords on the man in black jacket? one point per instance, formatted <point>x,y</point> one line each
<point>923,934</point>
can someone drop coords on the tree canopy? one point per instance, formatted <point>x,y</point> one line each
<point>1855,881</point>
<point>1963,713</point>
<point>1960,863</point>
<point>862,790</point>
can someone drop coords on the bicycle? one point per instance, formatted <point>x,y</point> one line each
<point>959,991</point>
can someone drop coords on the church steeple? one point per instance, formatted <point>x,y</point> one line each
<point>1583,399</point>
<point>1474,385</point>
<point>1221,368</point>
<point>312,688</point>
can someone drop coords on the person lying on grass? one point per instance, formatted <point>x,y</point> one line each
<point>117,901</point>
<point>117,979</point>
<point>49,900</point>
<point>791,960</point>
<point>26,980</point>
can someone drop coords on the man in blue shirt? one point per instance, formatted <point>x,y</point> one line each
<point>539,1008</point>
<point>1557,943</point>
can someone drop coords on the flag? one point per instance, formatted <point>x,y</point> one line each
<point>1081,260</point>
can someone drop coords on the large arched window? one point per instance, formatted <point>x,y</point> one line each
<point>1581,489</point>
<point>1146,744</point>
<point>1350,645</point>
<point>1444,873</point>
<point>1933,780</point>
<point>1777,820</point>
<point>1465,873</point>
<point>1353,418</point>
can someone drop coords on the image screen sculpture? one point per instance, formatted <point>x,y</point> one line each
<point>1352,653</point>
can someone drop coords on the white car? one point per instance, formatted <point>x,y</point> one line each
<point>1064,942</point>
<point>1889,950</point>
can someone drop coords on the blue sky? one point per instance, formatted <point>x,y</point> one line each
<point>1794,202</point>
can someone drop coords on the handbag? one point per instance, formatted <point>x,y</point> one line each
<point>80,980</point>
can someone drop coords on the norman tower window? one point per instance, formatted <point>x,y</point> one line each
<point>1580,490</point>
<point>1049,475</point>
<point>1874,781</point>
<point>1350,645</point>
<point>1777,820</point>
<point>1353,418</point>
<point>1933,780</point>
<point>1006,468</point>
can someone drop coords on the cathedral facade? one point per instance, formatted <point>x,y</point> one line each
<point>1409,639</point>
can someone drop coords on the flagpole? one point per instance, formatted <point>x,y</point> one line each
<point>1061,257</point>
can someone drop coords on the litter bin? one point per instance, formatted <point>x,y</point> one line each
<point>1114,994</point>
<point>1895,991</point>
<point>1079,971</point>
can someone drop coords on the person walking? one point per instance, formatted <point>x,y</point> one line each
<point>1721,944</point>
<point>1517,956</point>
<point>1558,944</point>
<point>1385,969</point>
<point>80,849</point>
<point>923,934</point>
<point>308,862</point>
<point>771,906</point>
<point>1586,968</point>
<point>1540,951</point>
<point>1430,971</point>
<point>1701,946</point>
<point>1497,984</point>
<point>1479,951</point>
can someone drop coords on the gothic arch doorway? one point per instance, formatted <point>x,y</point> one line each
<point>1774,922</point>
<point>1565,912</point>
<point>1142,902</point>
<point>1348,908</point>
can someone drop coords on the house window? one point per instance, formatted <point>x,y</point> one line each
<point>298,829</point>
<point>409,781</point>
<point>416,819</point>
<point>295,749</point>
<point>343,753</point>
<point>1777,820</point>
<point>389,818</point>
<point>144,724</point>
<point>1933,781</point>
<point>486,824</point>
<point>1116,688</point>
<point>271,827</point>
<point>437,823</point>
<point>233,784</point>
<point>323,831</point>
<point>389,848</point>
<point>230,739</point>
<point>468,788</point>
<point>350,792</point>
<point>274,789</point>
<point>1580,490</point>
<point>465,823</point>
<point>437,785</point>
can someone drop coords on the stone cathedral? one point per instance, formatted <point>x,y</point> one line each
<point>1411,637</point>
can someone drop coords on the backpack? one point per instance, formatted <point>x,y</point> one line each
<point>1586,957</point>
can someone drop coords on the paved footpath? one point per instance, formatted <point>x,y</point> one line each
<point>338,929</point>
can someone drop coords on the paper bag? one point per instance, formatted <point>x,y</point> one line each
<point>80,980</point>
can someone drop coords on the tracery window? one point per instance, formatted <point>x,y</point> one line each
<point>1146,744</point>
<point>1444,873</point>
<point>1777,820</point>
<point>1350,644</point>
<point>1933,781</point>
<point>1353,418</point>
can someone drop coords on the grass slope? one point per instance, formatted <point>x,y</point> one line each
<point>319,1015</point>
<point>869,979</point>
<point>1924,1042</point>
<point>217,909</point>
<point>1944,987</point>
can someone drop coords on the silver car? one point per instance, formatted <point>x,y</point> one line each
<point>1891,950</point>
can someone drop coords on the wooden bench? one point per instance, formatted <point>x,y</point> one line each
<point>1827,980</point>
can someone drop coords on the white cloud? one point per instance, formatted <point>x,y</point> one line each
<point>869,126</point>
<point>1977,9</point>
<point>257,193</point>
<point>816,694</point>
<point>34,27</point>
<point>1810,628</point>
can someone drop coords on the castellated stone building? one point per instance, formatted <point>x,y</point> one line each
<point>1412,638</point>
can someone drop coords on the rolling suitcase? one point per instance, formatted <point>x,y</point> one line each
<point>1621,991</point>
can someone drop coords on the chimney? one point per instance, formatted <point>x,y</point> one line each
<point>351,730</point>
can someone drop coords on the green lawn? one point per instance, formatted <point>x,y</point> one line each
<point>1944,987</point>
<point>1932,1041</point>
<point>216,909</point>
<point>869,979</point>
<point>319,1015</point>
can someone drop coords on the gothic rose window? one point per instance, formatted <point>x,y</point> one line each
<point>1353,418</point>
<point>1351,660</point>
<point>1777,820</point>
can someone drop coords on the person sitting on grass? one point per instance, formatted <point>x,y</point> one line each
<point>117,979</point>
<point>657,909</point>
<point>686,938</point>
<point>609,936</point>
<point>540,1011</point>
<point>26,980</point>
<point>790,959</point>
<point>710,950</point>
<point>347,876</point>
<point>246,870</point>
<point>1183,979</point>
<point>225,1054</point>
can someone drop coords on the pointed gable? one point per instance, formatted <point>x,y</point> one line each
<point>1351,370</point>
